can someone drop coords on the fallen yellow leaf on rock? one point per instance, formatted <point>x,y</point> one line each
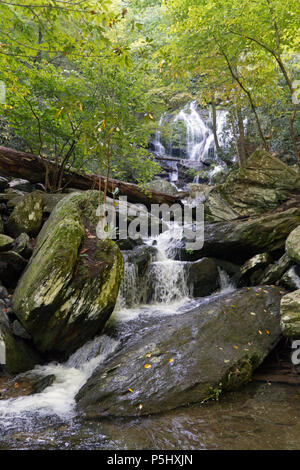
<point>171,360</point>
<point>268,333</point>
<point>130,389</point>
<point>147,366</point>
<point>236,347</point>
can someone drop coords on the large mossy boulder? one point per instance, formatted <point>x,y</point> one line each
<point>71,284</point>
<point>264,183</point>
<point>293,245</point>
<point>290,314</point>
<point>27,216</point>
<point>187,358</point>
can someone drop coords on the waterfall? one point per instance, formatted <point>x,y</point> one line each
<point>191,138</point>
<point>294,277</point>
<point>159,149</point>
<point>199,136</point>
<point>225,282</point>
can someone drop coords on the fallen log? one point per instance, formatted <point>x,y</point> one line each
<point>33,168</point>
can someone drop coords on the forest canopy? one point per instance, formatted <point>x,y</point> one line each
<point>87,80</point>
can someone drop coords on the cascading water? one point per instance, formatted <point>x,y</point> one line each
<point>194,141</point>
<point>58,398</point>
<point>199,139</point>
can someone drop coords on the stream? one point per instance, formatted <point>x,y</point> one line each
<point>256,416</point>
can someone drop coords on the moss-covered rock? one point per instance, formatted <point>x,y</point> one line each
<point>263,184</point>
<point>293,245</point>
<point>5,242</point>
<point>187,358</point>
<point>290,314</point>
<point>70,286</point>
<point>27,216</point>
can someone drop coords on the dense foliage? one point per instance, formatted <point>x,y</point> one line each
<point>85,80</point>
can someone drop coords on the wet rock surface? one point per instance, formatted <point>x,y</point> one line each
<point>186,358</point>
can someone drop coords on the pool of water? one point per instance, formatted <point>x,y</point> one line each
<point>258,416</point>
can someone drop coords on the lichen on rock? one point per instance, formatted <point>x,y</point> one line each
<point>70,286</point>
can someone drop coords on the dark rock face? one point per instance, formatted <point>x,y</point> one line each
<point>16,354</point>
<point>3,184</point>
<point>238,240</point>
<point>203,277</point>
<point>277,270</point>
<point>252,271</point>
<point>186,358</point>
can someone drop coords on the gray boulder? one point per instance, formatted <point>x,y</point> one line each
<point>293,245</point>
<point>187,358</point>
<point>290,314</point>
<point>264,183</point>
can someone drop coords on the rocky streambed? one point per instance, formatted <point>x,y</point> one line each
<point>99,336</point>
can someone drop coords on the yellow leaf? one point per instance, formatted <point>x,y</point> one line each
<point>268,333</point>
<point>260,332</point>
<point>236,347</point>
<point>130,390</point>
<point>59,112</point>
<point>147,366</point>
<point>171,360</point>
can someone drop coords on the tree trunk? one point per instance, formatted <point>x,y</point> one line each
<point>235,135</point>
<point>33,168</point>
<point>214,115</point>
<point>241,136</point>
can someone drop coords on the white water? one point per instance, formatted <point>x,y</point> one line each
<point>58,398</point>
<point>226,286</point>
<point>199,135</point>
<point>294,277</point>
